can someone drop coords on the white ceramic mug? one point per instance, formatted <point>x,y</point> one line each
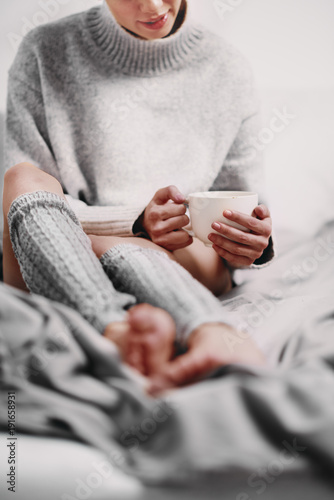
<point>208,207</point>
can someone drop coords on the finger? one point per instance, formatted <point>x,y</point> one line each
<point>257,226</point>
<point>152,335</point>
<point>238,236</point>
<point>158,213</point>
<point>234,260</point>
<point>262,211</point>
<point>185,369</point>
<point>237,248</point>
<point>172,224</point>
<point>135,358</point>
<point>168,193</point>
<point>156,350</point>
<point>171,210</point>
<point>188,368</point>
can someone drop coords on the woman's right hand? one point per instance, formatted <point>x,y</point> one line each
<point>164,219</point>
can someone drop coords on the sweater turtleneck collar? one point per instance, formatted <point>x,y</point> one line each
<point>135,56</point>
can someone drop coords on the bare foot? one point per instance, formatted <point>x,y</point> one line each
<point>145,339</point>
<point>210,347</point>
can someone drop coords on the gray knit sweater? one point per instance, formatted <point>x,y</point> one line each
<point>114,118</point>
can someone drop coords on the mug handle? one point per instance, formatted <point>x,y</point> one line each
<point>188,228</point>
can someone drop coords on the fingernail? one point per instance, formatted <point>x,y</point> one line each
<point>227,213</point>
<point>215,226</point>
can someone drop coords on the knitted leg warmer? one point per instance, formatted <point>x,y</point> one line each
<point>57,260</point>
<point>152,277</point>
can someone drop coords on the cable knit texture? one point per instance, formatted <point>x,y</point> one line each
<point>57,260</point>
<point>115,118</point>
<point>152,277</point>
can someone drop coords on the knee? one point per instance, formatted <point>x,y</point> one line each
<point>26,178</point>
<point>18,173</point>
<point>28,175</point>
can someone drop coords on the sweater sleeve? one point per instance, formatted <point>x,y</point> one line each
<point>28,140</point>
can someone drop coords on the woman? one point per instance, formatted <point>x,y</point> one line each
<point>114,104</point>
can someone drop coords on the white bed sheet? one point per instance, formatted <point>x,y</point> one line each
<point>57,469</point>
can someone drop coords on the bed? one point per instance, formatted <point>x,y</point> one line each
<point>282,305</point>
<point>288,307</point>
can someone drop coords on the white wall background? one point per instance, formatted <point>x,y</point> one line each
<point>290,44</point>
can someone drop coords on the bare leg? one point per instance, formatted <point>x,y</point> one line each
<point>205,265</point>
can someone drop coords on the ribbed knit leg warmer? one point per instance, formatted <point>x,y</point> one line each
<point>57,260</point>
<point>152,277</point>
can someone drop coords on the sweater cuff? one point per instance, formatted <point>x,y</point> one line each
<point>266,257</point>
<point>138,229</point>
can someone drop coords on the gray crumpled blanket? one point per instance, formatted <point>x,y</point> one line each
<point>69,382</point>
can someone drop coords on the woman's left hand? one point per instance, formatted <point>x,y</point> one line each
<point>241,248</point>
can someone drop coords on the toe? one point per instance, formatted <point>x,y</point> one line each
<point>152,333</point>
